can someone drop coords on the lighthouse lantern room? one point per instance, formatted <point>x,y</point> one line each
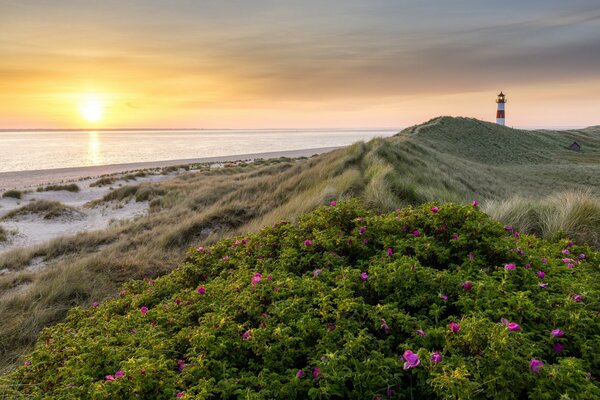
<point>500,116</point>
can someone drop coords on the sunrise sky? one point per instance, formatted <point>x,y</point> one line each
<point>296,64</point>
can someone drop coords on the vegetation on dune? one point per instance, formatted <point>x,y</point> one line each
<point>72,187</point>
<point>446,159</point>
<point>434,302</point>
<point>15,194</point>
<point>3,234</point>
<point>44,208</point>
<point>574,214</point>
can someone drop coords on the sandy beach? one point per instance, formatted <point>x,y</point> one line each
<point>28,179</point>
<point>33,229</point>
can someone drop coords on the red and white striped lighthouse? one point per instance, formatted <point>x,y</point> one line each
<point>500,116</point>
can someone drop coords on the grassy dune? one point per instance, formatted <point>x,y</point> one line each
<point>446,159</point>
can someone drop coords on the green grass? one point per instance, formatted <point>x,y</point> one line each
<point>72,187</point>
<point>44,208</point>
<point>15,194</point>
<point>446,159</point>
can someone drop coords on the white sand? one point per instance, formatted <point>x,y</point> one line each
<point>31,230</point>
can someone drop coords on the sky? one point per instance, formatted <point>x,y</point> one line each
<point>296,64</point>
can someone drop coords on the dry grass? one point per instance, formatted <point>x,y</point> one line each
<point>3,234</point>
<point>72,187</point>
<point>438,161</point>
<point>15,194</point>
<point>44,208</point>
<point>573,214</point>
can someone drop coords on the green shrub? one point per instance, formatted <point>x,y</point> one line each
<point>15,194</point>
<point>70,188</point>
<point>341,296</point>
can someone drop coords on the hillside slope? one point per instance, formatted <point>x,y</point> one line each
<point>445,159</point>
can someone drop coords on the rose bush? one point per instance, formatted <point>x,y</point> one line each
<point>342,304</point>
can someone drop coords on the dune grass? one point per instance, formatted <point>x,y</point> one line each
<point>572,214</point>
<point>3,234</point>
<point>72,187</point>
<point>44,208</point>
<point>15,194</point>
<point>446,159</point>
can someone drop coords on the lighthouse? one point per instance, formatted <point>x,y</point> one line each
<point>500,116</point>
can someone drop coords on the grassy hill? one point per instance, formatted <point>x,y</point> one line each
<point>437,302</point>
<point>520,177</point>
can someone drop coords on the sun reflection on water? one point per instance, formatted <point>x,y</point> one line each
<point>93,149</point>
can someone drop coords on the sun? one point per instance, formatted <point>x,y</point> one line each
<point>91,109</point>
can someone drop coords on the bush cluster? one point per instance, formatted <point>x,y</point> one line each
<point>432,302</point>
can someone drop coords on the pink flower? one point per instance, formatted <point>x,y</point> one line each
<point>557,333</point>
<point>471,256</point>
<point>475,203</point>
<point>317,272</point>
<point>513,326</point>
<point>570,244</point>
<point>412,359</point>
<point>333,203</point>
<point>544,260</point>
<point>390,251</point>
<point>566,252</point>
<point>582,256</point>
<point>109,378</point>
<point>444,297</point>
<point>200,249</point>
<point>364,276</point>
<point>246,335</point>
<point>516,234</point>
<point>557,347</point>
<point>27,363</point>
<point>366,241</point>
<point>535,365</point>
<point>541,274</point>
<point>436,357</point>
<point>454,327</point>
<point>201,290</point>
<point>508,228</point>
<point>256,278</point>
<point>180,365</point>
<point>434,210</point>
<point>177,301</point>
<point>415,233</point>
<point>315,373</point>
<point>527,266</point>
<point>226,258</point>
<point>119,374</point>
<point>455,236</point>
<point>509,267</point>
<point>468,285</point>
<point>420,332</point>
<point>180,395</point>
<point>578,298</point>
<point>571,265</point>
<point>144,310</point>
<point>94,304</point>
<point>566,260</point>
<point>543,285</point>
<point>389,392</point>
<point>362,230</point>
<point>299,374</point>
<point>307,243</point>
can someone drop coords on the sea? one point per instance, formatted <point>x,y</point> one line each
<point>37,150</point>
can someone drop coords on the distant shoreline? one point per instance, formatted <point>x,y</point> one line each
<point>26,179</point>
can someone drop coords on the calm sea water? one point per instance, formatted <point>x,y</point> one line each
<point>31,150</point>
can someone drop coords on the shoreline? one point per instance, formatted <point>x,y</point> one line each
<point>26,179</point>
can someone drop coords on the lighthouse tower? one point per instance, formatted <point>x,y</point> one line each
<point>501,100</point>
